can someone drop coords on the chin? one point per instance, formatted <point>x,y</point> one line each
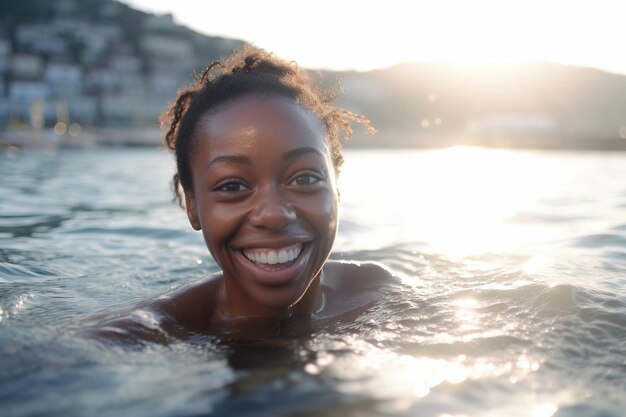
<point>278,298</point>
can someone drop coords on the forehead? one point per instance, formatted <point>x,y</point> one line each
<point>260,121</point>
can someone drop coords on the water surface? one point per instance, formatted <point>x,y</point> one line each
<point>513,299</point>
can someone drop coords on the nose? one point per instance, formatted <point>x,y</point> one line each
<point>272,211</point>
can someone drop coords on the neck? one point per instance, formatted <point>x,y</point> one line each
<point>234,303</point>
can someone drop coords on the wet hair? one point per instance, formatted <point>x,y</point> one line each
<point>249,71</point>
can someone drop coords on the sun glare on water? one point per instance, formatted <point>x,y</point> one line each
<point>398,382</point>
<point>460,200</point>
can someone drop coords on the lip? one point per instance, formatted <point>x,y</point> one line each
<point>272,243</point>
<point>276,274</point>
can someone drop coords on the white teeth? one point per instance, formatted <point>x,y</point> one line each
<point>272,257</point>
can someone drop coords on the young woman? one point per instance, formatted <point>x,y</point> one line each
<point>258,152</point>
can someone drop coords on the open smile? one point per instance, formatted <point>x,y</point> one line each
<point>275,266</point>
<point>274,256</point>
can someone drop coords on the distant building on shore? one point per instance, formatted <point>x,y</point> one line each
<point>112,66</point>
<point>515,130</point>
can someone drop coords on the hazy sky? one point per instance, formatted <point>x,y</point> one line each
<point>369,34</point>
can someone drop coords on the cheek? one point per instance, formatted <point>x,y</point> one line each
<point>323,212</point>
<point>219,223</point>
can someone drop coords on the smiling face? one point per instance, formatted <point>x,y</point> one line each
<point>265,197</point>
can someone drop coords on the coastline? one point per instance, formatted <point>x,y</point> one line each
<point>46,139</point>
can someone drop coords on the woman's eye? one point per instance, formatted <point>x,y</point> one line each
<point>306,179</point>
<point>232,187</point>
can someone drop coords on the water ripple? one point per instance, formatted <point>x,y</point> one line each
<point>532,329</point>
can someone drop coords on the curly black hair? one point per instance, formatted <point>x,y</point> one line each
<point>249,70</point>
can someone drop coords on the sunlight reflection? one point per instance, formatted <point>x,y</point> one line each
<point>535,265</point>
<point>460,200</point>
<point>20,303</point>
<point>544,410</point>
<point>385,375</point>
<point>475,192</point>
<point>452,415</point>
<point>466,314</point>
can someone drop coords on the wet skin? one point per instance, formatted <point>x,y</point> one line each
<point>264,183</point>
<point>263,179</point>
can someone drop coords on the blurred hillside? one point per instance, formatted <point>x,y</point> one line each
<point>534,105</point>
<point>93,63</point>
<point>70,67</point>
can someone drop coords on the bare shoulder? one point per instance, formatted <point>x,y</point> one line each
<point>190,304</point>
<point>157,319</point>
<point>353,275</point>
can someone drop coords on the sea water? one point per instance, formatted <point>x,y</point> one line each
<point>512,302</point>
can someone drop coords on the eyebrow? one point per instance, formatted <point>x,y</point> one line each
<point>237,159</point>
<point>301,151</point>
<point>245,160</point>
